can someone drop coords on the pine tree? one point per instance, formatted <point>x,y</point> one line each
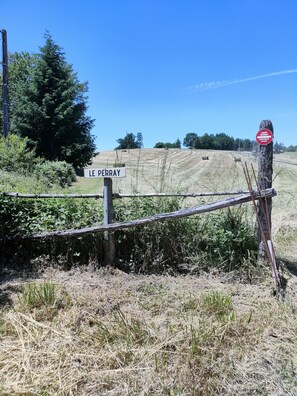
<point>51,111</point>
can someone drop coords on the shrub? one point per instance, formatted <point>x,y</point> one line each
<point>16,182</point>
<point>26,216</point>
<point>58,172</point>
<point>15,156</point>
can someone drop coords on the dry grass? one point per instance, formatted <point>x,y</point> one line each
<point>120,334</point>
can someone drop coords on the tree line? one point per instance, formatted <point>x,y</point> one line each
<point>219,141</point>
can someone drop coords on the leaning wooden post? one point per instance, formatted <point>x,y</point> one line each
<point>109,240</point>
<point>265,170</point>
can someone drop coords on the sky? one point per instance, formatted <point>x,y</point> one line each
<point>166,68</point>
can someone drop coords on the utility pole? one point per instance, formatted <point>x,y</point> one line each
<point>5,102</point>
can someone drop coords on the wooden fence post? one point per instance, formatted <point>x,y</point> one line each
<point>109,240</point>
<point>265,171</point>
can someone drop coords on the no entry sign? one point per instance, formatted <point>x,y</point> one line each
<point>264,137</point>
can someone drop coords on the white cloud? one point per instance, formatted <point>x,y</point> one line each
<point>218,84</point>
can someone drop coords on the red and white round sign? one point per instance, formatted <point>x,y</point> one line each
<point>264,137</point>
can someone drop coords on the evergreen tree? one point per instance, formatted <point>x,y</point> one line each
<point>140,140</point>
<point>51,109</point>
<point>178,143</point>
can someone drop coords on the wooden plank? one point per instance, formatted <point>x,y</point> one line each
<point>159,217</point>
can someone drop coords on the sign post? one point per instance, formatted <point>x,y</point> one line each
<point>265,138</point>
<point>108,174</point>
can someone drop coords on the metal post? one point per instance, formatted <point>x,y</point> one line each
<point>109,240</point>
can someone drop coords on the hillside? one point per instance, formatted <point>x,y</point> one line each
<point>153,170</point>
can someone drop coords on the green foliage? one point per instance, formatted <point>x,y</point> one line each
<point>20,66</point>
<point>25,216</point>
<point>35,295</point>
<point>225,240</point>
<point>291,148</point>
<point>219,141</point>
<point>15,156</point>
<point>58,172</point>
<point>217,303</point>
<point>50,108</point>
<point>191,140</point>
<point>130,141</point>
<point>11,181</point>
<point>177,144</point>
<point>232,237</point>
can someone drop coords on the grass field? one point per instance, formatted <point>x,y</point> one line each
<point>175,170</point>
<point>90,332</point>
<point>158,170</point>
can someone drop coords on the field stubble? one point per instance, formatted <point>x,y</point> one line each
<point>110,333</point>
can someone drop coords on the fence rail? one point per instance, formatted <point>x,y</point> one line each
<point>116,195</point>
<point>254,195</point>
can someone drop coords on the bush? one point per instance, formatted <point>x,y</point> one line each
<point>58,172</point>
<point>16,182</point>
<point>15,156</point>
<point>26,216</point>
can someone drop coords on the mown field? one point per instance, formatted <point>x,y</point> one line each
<point>100,331</point>
<point>174,170</point>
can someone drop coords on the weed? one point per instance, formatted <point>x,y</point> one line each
<point>35,295</point>
<point>216,303</point>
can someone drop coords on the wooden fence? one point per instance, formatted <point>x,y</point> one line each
<point>117,195</point>
<point>243,198</point>
<point>264,191</point>
<point>108,228</point>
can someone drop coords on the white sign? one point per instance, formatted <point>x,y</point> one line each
<point>105,172</point>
